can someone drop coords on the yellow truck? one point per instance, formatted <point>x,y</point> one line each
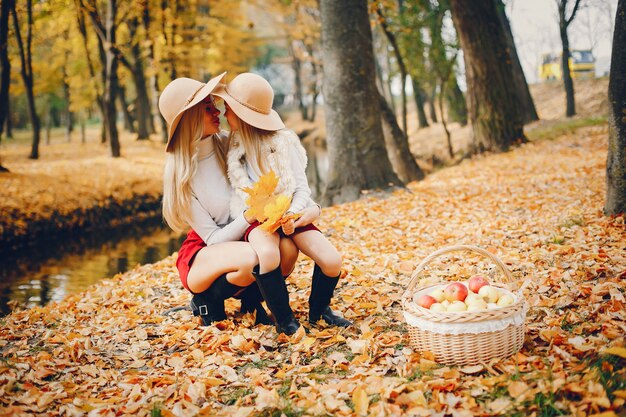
<point>581,62</point>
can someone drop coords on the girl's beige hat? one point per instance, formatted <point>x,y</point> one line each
<point>250,96</point>
<point>181,95</point>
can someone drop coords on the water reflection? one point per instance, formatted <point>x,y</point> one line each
<point>71,265</point>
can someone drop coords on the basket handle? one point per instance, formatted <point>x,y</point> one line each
<point>414,280</point>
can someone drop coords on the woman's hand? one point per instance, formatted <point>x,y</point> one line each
<point>309,215</point>
<point>288,227</point>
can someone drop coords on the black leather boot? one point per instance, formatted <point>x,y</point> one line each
<point>251,301</point>
<point>274,290</point>
<point>322,289</point>
<point>209,304</point>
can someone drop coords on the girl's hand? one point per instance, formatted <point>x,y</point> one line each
<point>249,218</point>
<point>309,215</point>
<point>288,227</point>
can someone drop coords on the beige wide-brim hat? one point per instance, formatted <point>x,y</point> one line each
<point>181,95</point>
<point>250,97</point>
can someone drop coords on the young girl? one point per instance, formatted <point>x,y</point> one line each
<point>259,143</point>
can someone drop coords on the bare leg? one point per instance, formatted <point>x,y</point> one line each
<point>236,259</point>
<point>315,245</point>
<point>266,246</point>
<point>288,256</point>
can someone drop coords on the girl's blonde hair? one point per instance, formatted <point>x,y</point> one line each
<point>181,165</point>
<point>251,138</point>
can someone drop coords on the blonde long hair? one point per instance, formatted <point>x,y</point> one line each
<point>251,138</point>
<point>181,165</point>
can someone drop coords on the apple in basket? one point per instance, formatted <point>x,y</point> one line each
<point>476,282</point>
<point>489,293</point>
<point>438,295</point>
<point>425,301</point>
<point>505,300</point>
<point>455,292</point>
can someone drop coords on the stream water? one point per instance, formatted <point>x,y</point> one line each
<point>51,271</point>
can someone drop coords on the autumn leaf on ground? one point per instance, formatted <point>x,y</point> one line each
<point>261,194</point>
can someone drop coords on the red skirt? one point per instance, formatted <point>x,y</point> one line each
<point>187,253</point>
<point>256,224</point>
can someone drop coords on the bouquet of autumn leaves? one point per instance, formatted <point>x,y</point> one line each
<point>267,207</point>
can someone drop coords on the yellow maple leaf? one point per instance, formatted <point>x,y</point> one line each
<point>274,212</point>
<point>261,194</point>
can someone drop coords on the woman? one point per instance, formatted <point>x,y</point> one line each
<point>213,264</point>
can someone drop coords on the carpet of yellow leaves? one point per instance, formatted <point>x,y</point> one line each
<point>76,185</point>
<point>120,349</point>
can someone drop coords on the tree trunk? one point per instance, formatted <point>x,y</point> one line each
<point>431,104</point>
<point>111,83</point>
<point>397,145</point>
<point>129,121</point>
<point>418,94</point>
<point>142,102</point>
<point>400,61</point>
<point>5,64</point>
<point>496,122</point>
<point>526,103</point>
<point>564,22</point>
<point>82,28</point>
<point>153,80</point>
<point>27,73</point>
<point>69,115</point>
<point>314,85</point>
<point>442,90</point>
<point>296,65</point>
<point>355,144</point>
<point>457,109</point>
<point>389,78</point>
<point>616,157</point>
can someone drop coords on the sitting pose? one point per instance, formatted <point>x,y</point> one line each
<point>213,263</point>
<point>259,143</point>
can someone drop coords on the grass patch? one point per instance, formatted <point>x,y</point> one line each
<point>235,395</point>
<point>564,127</point>
<point>156,410</point>
<point>557,240</point>
<point>611,373</point>
<point>287,411</point>
<point>573,221</point>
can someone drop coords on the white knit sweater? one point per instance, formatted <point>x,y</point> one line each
<point>285,155</point>
<point>210,214</point>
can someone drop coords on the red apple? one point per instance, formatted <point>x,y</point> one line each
<point>455,291</point>
<point>425,301</point>
<point>476,282</point>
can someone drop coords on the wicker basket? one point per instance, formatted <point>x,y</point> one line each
<point>445,333</point>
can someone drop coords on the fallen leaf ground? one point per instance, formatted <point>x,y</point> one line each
<point>122,347</point>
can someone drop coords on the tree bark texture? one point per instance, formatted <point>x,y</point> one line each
<point>568,83</point>
<point>496,122</point>
<point>27,73</point>
<point>519,79</point>
<point>5,64</point>
<point>616,157</point>
<point>358,160</point>
<point>397,145</point>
